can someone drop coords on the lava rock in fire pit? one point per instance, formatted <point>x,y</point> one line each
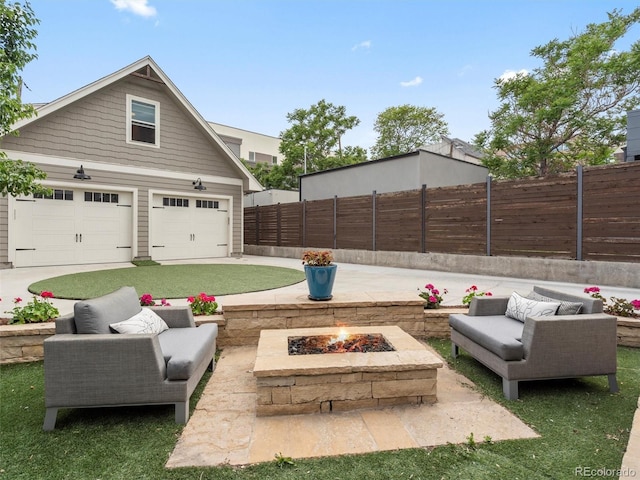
<point>355,343</point>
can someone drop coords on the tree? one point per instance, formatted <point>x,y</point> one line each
<point>318,131</point>
<point>406,128</point>
<point>16,50</point>
<point>569,111</point>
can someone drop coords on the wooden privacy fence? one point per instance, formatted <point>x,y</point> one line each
<point>590,214</point>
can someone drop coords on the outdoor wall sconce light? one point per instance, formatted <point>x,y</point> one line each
<point>80,175</point>
<point>198,185</point>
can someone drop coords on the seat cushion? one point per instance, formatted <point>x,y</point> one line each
<point>186,348</point>
<point>497,333</point>
<point>95,315</point>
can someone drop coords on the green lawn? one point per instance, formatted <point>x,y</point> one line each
<point>580,423</point>
<point>171,281</point>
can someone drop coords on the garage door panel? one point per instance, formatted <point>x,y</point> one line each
<point>68,229</point>
<point>195,228</point>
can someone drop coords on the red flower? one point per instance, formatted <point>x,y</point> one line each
<point>190,299</point>
<point>429,286</point>
<point>433,299</point>
<point>17,300</point>
<point>591,290</point>
<point>45,294</point>
<point>636,304</point>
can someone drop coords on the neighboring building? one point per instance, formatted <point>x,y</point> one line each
<point>633,136</point>
<point>456,148</point>
<point>136,172</point>
<point>271,197</point>
<point>394,174</point>
<point>250,146</point>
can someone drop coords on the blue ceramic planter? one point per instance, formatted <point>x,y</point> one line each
<point>320,281</point>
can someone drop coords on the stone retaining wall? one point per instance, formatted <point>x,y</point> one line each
<point>241,324</point>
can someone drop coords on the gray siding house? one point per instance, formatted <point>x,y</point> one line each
<point>394,174</point>
<point>633,136</point>
<point>162,185</point>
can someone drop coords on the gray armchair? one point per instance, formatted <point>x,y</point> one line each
<point>101,368</point>
<point>560,346</point>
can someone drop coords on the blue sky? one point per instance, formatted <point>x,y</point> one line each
<point>247,63</point>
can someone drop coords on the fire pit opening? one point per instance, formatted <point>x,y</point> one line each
<point>341,343</point>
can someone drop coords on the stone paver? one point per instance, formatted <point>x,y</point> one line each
<point>224,428</point>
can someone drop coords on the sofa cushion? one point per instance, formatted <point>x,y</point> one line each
<point>520,308</point>
<point>497,333</point>
<point>565,308</point>
<point>186,348</point>
<point>95,315</point>
<point>146,321</point>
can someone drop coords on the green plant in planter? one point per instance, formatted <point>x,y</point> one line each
<point>317,258</point>
<point>38,310</point>
<point>320,273</point>
<point>203,304</point>
<point>619,307</point>
<point>432,296</point>
<point>471,292</point>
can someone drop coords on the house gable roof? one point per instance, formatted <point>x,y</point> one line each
<point>146,68</point>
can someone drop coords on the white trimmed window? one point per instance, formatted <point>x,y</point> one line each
<point>143,121</point>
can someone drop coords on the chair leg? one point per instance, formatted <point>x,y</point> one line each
<point>182,412</point>
<point>613,383</point>
<point>454,350</point>
<point>510,389</point>
<point>50,419</point>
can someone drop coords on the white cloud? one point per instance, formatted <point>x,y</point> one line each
<point>511,74</point>
<point>138,7</point>
<point>412,83</point>
<point>366,45</point>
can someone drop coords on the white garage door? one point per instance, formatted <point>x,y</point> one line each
<point>72,227</point>
<point>189,228</point>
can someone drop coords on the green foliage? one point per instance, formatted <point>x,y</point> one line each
<point>17,50</point>
<point>16,34</point>
<point>19,178</point>
<point>282,461</point>
<point>319,131</point>
<point>38,310</point>
<point>406,128</point>
<point>569,111</point>
<point>203,304</point>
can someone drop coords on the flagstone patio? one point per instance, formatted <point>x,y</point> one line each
<point>224,428</point>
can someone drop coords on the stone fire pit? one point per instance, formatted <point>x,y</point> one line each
<point>296,384</point>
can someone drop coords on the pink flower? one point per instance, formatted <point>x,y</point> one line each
<point>164,303</point>
<point>472,288</point>
<point>435,291</point>
<point>591,290</point>
<point>191,299</point>
<point>489,294</point>
<point>433,299</point>
<point>636,304</point>
<point>17,300</point>
<point>428,286</point>
<point>45,294</point>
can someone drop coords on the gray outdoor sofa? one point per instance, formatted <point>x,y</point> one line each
<point>538,347</point>
<point>86,364</point>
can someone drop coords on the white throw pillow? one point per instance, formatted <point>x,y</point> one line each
<point>146,321</point>
<point>520,308</point>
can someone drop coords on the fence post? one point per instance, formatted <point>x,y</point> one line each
<point>373,220</point>
<point>335,221</point>
<point>304,222</point>
<point>579,215</point>
<point>278,225</point>
<point>488,215</point>
<point>257,224</point>
<point>423,218</point>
